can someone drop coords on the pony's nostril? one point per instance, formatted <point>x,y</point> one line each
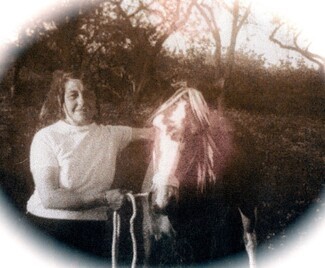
<point>156,208</point>
<point>159,210</point>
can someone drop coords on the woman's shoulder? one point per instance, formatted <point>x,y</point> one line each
<point>49,130</point>
<point>50,127</point>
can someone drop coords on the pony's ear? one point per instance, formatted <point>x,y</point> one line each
<point>148,122</point>
<point>58,74</point>
<point>179,84</point>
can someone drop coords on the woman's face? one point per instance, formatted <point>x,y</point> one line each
<point>79,103</point>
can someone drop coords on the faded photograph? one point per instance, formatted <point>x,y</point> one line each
<point>162,133</point>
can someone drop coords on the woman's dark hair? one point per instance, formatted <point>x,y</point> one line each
<point>52,107</point>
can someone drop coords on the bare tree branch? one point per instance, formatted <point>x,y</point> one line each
<point>180,19</point>
<point>244,18</point>
<point>226,6</point>
<point>320,61</point>
<point>209,17</point>
<point>204,12</point>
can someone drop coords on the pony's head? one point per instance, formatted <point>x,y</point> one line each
<point>183,120</point>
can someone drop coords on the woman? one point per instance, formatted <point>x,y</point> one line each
<point>72,162</point>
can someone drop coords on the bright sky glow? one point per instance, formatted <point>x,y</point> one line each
<point>14,15</point>
<point>17,247</point>
<point>306,15</point>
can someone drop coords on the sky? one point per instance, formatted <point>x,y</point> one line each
<point>17,246</point>
<point>256,37</point>
<point>307,16</point>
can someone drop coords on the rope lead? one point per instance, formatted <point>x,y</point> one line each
<point>116,236</point>
<point>134,241</point>
<point>116,231</point>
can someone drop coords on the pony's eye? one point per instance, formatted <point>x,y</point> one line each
<point>72,96</point>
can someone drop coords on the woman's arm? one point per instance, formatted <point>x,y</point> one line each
<point>53,197</point>
<point>143,133</point>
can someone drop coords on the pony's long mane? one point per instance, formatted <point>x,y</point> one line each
<point>209,146</point>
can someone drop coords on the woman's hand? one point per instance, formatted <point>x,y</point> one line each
<point>115,198</point>
<point>143,133</point>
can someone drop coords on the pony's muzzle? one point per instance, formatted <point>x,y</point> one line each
<point>167,209</point>
<point>159,210</point>
<point>165,201</point>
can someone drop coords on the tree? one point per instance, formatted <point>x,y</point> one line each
<point>296,44</point>
<point>117,41</point>
<point>147,25</point>
<point>51,43</point>
<point>239,14</point>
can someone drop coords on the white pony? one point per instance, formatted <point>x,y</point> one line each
<point>194,158</point>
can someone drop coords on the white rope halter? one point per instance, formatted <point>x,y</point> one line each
<point>117,227</point>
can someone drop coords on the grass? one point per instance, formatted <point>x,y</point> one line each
<point>292,149</point>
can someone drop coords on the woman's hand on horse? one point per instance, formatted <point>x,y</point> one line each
<point>115,198</point>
